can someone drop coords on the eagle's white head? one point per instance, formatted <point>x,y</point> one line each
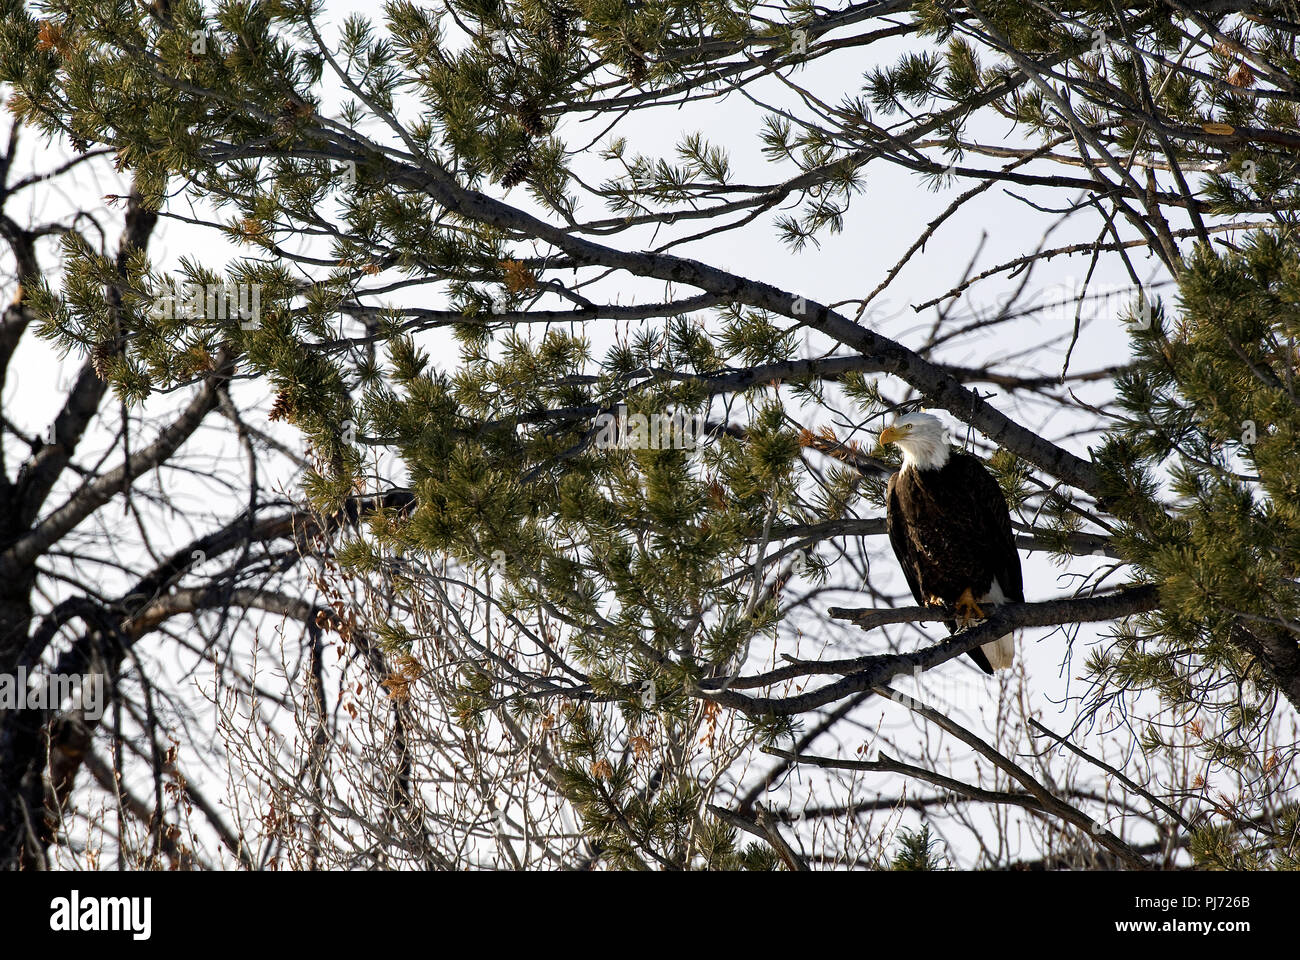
<point>922,438</point>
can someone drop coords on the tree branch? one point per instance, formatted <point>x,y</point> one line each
<point>866,673</point>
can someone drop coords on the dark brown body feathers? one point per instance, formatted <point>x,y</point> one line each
<point>951,530</point>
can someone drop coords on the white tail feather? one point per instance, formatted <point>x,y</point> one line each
<point>1001,652</point>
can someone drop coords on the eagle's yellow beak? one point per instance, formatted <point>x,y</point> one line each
<point>889,435</point>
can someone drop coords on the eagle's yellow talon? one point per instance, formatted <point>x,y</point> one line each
<point>968,611</point>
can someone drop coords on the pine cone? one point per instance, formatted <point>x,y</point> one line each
<point>283,408</point>
<point>100,357</point>
<point>560,27</point>
<point>1242,77</point>
<point>530,118</point>
<point>519,170</point>
<point>634,60</point>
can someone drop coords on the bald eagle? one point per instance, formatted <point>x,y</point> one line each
<point>951,530</point>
